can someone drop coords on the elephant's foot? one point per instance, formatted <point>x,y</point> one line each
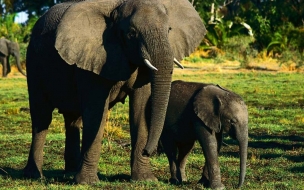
<point>175,181</point>
<point>213,185</point>
<point>217,185</point>
<point>143,176</point>
<point>141,169</point>
<point>179,179</point>
<point>204,181</point>
<point>86,178</point>
<point>31,171</point>
<point>183,176</point>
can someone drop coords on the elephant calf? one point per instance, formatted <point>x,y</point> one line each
<point>198,111</point>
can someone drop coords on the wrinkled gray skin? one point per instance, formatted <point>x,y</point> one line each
<point>83,57</point>
<point>8,48</point>
<point>198,111</point>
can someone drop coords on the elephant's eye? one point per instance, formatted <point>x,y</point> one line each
<point>169,29</point>
<point>233,121</point>
<point>132,34</point>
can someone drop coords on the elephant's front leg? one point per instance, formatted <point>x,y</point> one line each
<point>208,142</point>
<point>140,165</point>
<point>94,93</point>
<point>205,176</point>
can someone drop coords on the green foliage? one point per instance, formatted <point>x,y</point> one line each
<point>26,29</point>
<point>289,57</point>
<point>277,27</point>
<point>194,59</point>
<point>281,38</point>
<point>8,28</point>
<point>275,155</point>
<point>16,32</point>
<point>287,44</point>
<point>217,34</point>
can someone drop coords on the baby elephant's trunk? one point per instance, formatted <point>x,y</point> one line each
<point>243,143</point>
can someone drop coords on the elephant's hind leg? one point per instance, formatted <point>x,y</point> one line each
<point>170,150</point>
<point>41,116</point>
<point>73,123</point>
<point>184,150</point>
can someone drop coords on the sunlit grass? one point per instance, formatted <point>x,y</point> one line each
<point>276,138</point>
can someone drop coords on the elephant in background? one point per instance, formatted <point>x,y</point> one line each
<point>84,56</point>
<point>8,48</point>
<point>199,111</point>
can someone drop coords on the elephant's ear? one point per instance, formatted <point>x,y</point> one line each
<point>187,28</point>
<point>4,46</point>
<point>85,37</point>
<point>207,104</point>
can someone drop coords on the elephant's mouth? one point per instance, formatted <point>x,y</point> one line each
<point>232,133</point>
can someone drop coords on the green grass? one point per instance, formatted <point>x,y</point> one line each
<point>276,138</point>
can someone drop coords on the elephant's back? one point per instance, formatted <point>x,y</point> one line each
<point>47,73</point>
<point>180,105</point>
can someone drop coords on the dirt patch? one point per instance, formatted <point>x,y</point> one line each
<point>267,65</point>
<point>14,72</point>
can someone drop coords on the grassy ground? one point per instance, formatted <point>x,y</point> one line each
<point>276,137</point>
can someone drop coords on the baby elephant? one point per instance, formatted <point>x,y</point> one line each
<point>198,111</point>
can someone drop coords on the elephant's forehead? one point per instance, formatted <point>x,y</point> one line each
<point>143,10</point>
<point>149,14</point>
<point>239,110</point>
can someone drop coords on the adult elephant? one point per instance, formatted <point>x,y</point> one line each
<point>199,111</point>
<point>8,48</point>
<point>83,57</point>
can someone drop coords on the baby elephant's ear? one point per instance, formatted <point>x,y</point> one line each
<point>207,105</point>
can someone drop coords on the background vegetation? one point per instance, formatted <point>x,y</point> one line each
<point>237,30</point>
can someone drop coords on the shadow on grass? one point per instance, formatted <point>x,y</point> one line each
<point>287,143</point>
<point>295,159</point>
<point>296,138</point>
<point>297,169</point>
<point>58,176</point>
<point>11,173</point>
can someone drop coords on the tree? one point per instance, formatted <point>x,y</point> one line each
<point>33,7</point>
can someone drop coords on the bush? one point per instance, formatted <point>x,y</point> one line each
<point>240,48</point>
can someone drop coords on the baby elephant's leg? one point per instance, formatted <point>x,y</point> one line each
<point>170,150</point>
<point>183,153</point>
<point>208,141</point>
<point>205,176</point>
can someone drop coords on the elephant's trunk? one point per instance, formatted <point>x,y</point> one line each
<point>162,59</point>
<point>18,64</point>
<point>243,143</point>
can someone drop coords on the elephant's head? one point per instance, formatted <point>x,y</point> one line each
<point>8,48</point>
<point>109,37</point>
<point>223,110</point>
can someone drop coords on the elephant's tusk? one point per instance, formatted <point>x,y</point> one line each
<point>147,62</point>
<point>178,64</point>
